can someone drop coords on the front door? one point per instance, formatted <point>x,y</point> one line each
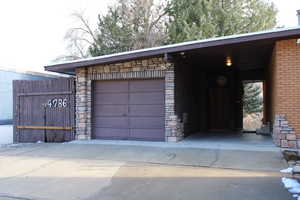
<point>219,104</point>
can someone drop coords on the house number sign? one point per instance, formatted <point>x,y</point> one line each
<point>58,103</point>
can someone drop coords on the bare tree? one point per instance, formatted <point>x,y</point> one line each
<point>148,18</point>
<point>128,25</point>
<point>78,38</point>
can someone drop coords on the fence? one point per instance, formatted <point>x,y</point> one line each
<point>44,110</point>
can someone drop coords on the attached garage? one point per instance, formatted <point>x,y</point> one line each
<point>128,109</point>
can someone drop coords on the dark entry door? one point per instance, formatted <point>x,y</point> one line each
<point>219,112</point>
<point>219,119</point>
<point>128,109</point>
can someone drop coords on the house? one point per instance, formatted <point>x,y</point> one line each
<point>168,92</point>
<point>7,75</point>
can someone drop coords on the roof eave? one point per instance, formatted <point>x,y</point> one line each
<point>276,35</point>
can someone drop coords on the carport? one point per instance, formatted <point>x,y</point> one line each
<point>209,85</point>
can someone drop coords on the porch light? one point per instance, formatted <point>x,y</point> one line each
<point>228,61</point>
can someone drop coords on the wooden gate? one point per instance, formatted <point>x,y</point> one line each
<point>44,110</point>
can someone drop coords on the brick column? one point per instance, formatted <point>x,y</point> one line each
<point>83,105</point>
<point>173,128</point>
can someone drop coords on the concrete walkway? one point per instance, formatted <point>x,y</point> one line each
<point>242,142</point>
<point>92,172</point>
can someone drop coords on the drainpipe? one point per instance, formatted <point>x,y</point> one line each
<point>298,14</point>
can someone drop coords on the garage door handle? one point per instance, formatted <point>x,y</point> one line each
<point>124,115</point>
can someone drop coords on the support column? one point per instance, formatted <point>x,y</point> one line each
<point>83,105</point>
<point>173,127</point>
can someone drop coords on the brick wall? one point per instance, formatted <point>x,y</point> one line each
<point>285,89</point>
<point>137,69</point>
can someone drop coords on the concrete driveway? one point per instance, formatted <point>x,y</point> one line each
<point>99,171</point>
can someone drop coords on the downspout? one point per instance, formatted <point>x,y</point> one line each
<point>298,15</point>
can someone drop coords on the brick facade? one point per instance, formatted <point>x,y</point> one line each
<point>137,69</point>
<point>285,89</point>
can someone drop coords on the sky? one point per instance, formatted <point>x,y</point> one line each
<point>32,31</point>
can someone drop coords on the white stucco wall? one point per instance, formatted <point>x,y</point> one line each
<point>6,134</point>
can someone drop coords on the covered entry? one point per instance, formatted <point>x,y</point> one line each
<point>209,86</point>
<point>128,109</point>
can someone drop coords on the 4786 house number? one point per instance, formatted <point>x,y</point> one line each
<point>58,103</point>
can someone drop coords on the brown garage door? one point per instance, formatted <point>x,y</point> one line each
<point>132,109</point>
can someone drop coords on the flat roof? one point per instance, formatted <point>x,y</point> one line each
<point>275,34</point>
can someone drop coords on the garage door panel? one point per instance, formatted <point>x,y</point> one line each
<point>111,122</point>
<point>146,98</point>
<point>147,134</point>
<point>146,110</point>
<point>113,133</point>
<point>110,110</point>
<point>146,122</point>
<point>146,85</point>
<point>111,86</point>
<point>128,110</point>
<point>111,98</point>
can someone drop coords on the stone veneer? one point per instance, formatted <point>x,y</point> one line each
<point>137,69</point>
<point>283,134</point>
<point>83,104</point>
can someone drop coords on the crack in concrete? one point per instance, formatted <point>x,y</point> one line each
<point>14,197</point>
<point>134,164</point>
<point>31,171</point>
<point>217,157</point>
<point>21,153</point>
<point>171,156</point>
